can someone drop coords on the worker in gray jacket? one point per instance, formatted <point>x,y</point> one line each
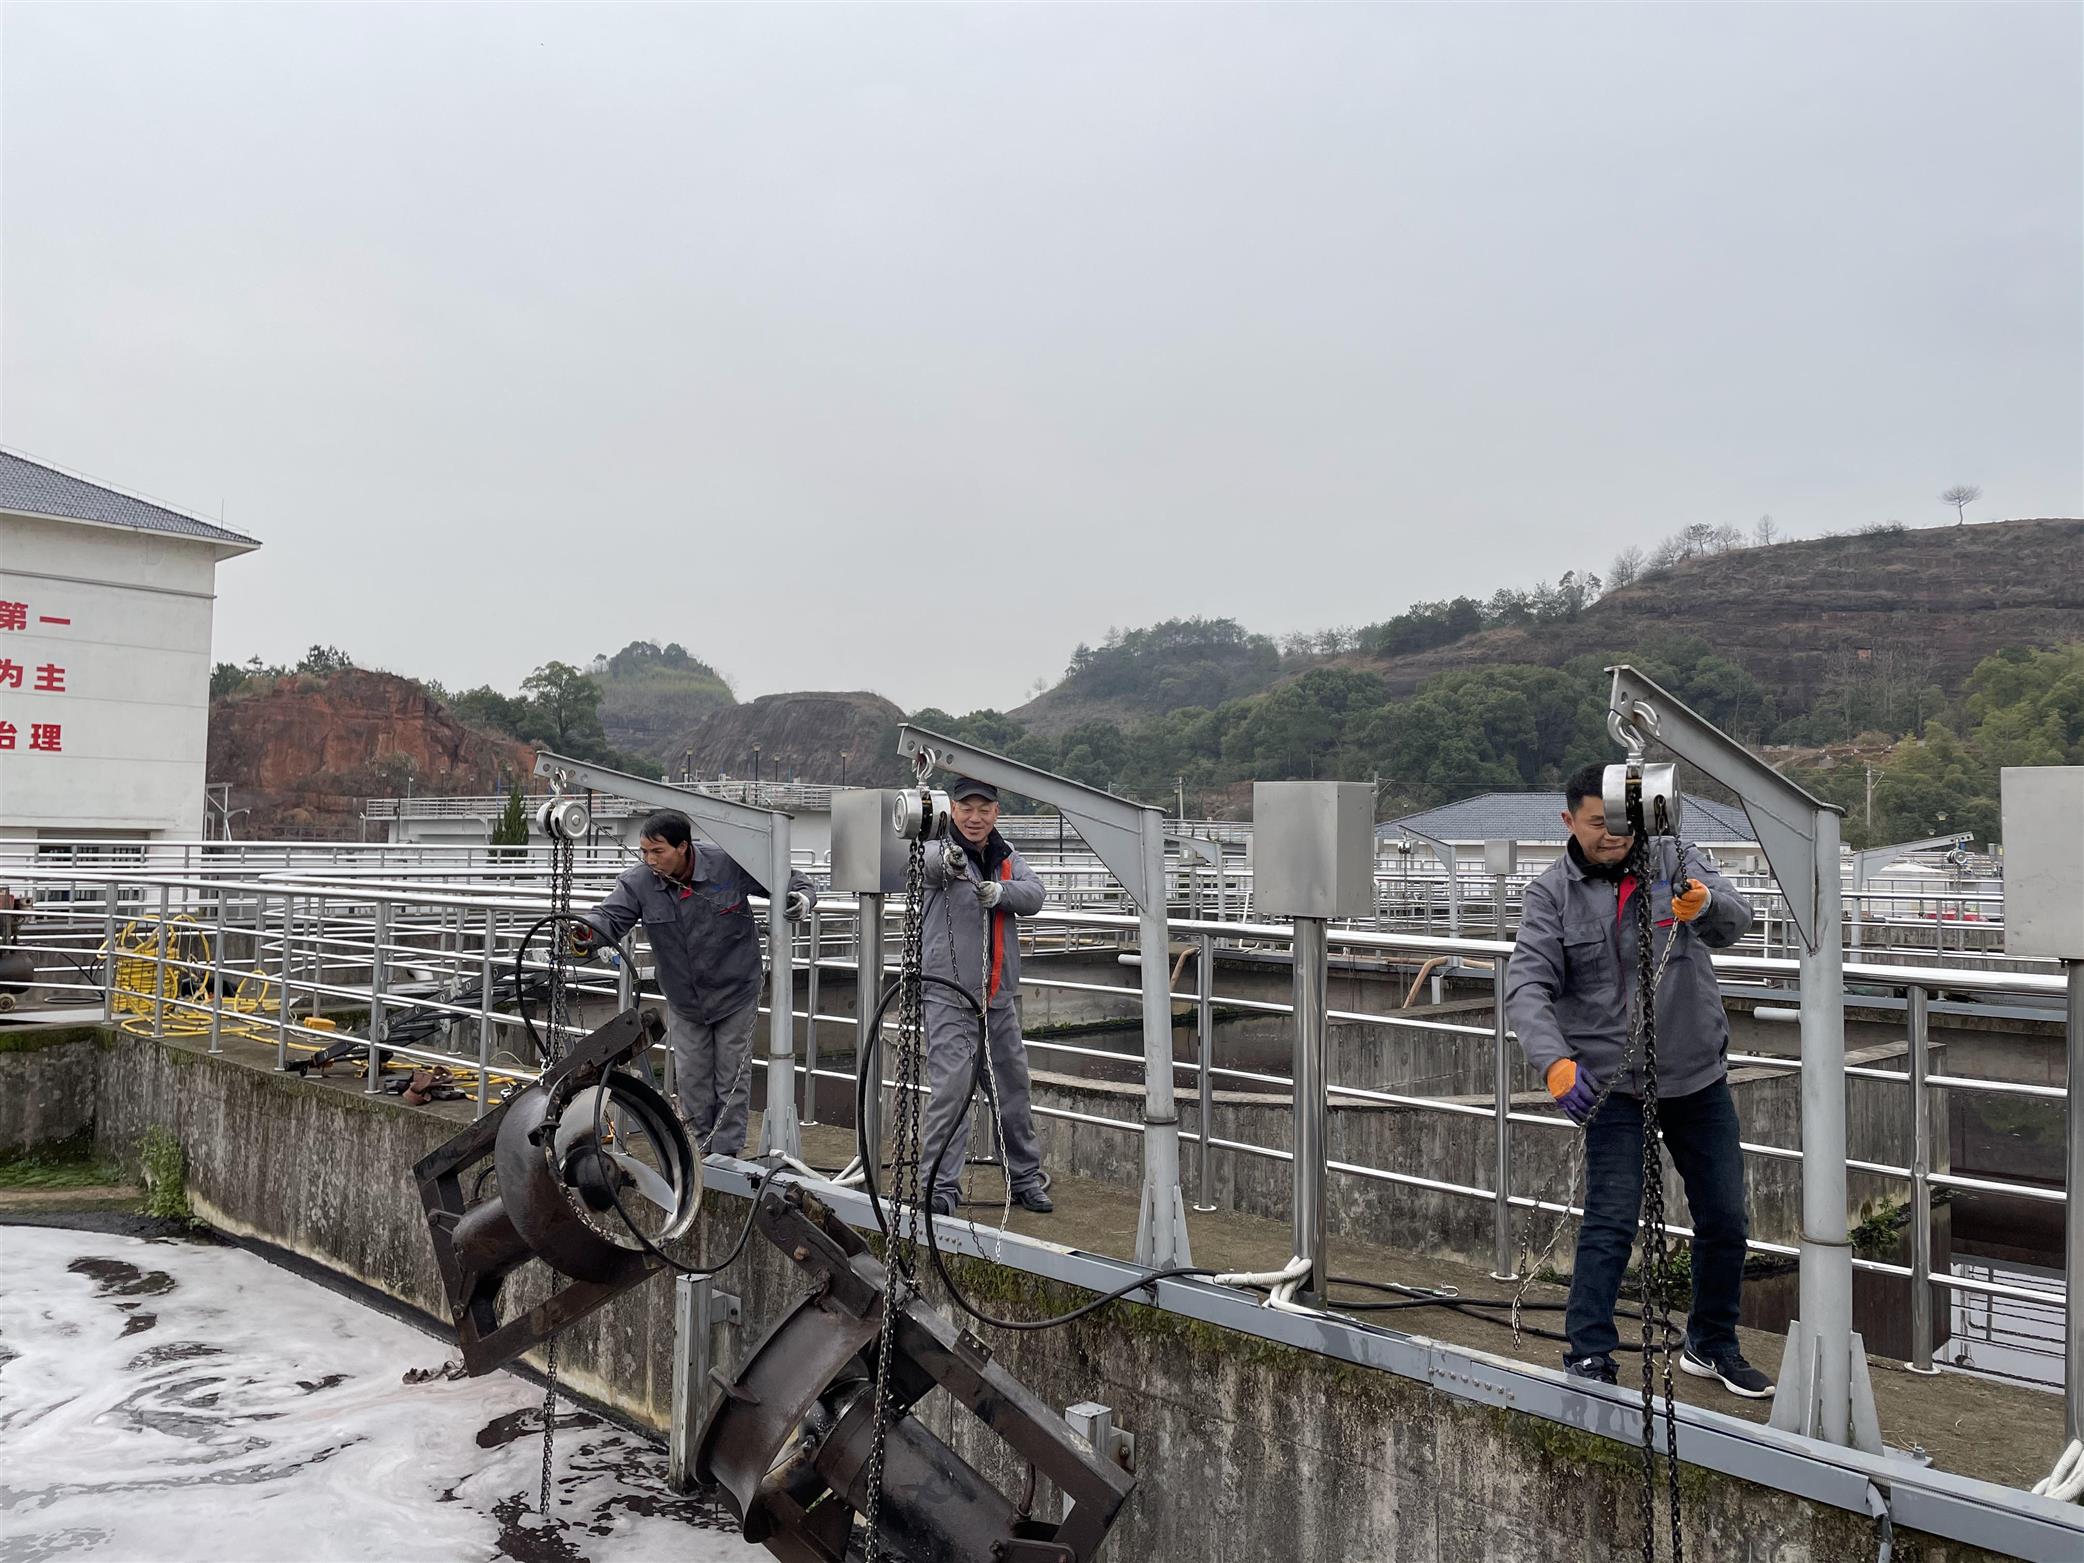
<point>976,885</point>
<point>1568,992</point>
<point>691,898</point>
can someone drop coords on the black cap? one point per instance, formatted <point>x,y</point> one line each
<point>970,787</point>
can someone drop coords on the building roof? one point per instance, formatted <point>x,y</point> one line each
<point>31,488</point>
<point>1536,816</point>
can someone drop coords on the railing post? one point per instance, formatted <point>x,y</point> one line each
<point>162,946</point>
<point>1312,978</point>
<point>2073,1216</point>
<point>1205,1050</point>
<point>1920,1189</point>
<point>289,934</point>
<point>217,960</point>
<point>810,1028</point>
<point>868,989</point>
<point>108,944</point>
<point>376,994</point>
<point>1501,1132</point>
<point>779,1133</point>
<point>485,1006</point>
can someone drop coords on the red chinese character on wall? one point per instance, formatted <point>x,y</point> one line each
<point>10,673</point>
<point>6,735</point>
<point>46,735</point>
<point>14,615</point>
<point>50,676</point>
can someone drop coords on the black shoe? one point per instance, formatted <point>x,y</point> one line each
<point>1729,1367</point>
<point>943,1205</point>
<point>1599,1369</point>
<point>1035,1199</point>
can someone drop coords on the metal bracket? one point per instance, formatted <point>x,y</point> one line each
<point>1798,1405</point>
<point>700,1312</point>
<point>1782,814</point>
<point>746,832</point>
<point>1113,827</point>
<point>1094,1423</point>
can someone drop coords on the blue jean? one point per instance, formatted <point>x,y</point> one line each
<point>1700,1134</point>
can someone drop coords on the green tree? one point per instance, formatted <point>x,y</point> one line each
<point>565,708</point>
<point>324,660</point>
<point>511,828</point>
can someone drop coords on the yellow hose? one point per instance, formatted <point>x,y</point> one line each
<point>146,955</point>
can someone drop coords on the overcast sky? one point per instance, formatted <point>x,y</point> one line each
<point>908,347</point>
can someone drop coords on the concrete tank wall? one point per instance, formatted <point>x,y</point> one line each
<point>1246,1450</point>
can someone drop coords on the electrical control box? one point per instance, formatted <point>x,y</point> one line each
<point>2044,860</point>
<point>1313,849</point>
<point>868,855</point>
<point>1501,857</point>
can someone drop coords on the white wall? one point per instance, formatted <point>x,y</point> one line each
<point>134,713</point>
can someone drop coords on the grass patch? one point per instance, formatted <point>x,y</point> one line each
<point>166,1175</point>
<point>60,1164</point>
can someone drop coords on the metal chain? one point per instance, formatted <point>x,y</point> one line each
<point>561,873</point>
<point>906,1181</point>
<point>1639,1057</point>
<point>1654,1270</point>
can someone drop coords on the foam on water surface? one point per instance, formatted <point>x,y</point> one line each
<point>170,1401</point>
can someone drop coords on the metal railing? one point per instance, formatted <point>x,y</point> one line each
<point>269,946</point>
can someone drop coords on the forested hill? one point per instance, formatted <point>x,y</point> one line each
<point>1925,605</point>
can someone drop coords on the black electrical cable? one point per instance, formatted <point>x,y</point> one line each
<point>870,1070</point>
<point>610,1172</point>
<point>542,1048</point>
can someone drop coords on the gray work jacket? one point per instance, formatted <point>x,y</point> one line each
<point>1572,975</point>
<point>705,940</point>
<point>952,925</point>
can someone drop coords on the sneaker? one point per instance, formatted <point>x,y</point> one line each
<point>943,1204</point>
<point>1034,1199</point>
<point>1599,1369</point>
<point>1729,1367</point>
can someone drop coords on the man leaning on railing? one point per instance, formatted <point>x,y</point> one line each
<point>705,945</point>
<point>1567,994</point>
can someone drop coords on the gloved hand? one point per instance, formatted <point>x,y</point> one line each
<point>1573,1088</point>
<point>988,892</point>
<point>797,906</point>
<point>955,861</point>
<point>580,940</point>
<point>1689,899</point>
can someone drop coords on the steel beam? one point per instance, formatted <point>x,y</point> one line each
<point>1822,1391</point>
<point>1130,839</point>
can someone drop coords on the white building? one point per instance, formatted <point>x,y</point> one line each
<point>105,609</point>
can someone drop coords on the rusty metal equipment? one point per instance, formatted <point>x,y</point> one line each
<point>789,1440</point>
<point>593,1172</point>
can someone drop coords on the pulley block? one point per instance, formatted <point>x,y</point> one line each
<point>920,814</point>
<point>1640,798</point>
<point>563,818</point>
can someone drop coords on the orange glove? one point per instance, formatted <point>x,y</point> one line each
<point>1689,900</point>
<point>1572,1088</point>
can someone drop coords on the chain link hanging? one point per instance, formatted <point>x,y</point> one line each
<point>906,1180</point>
<point>1655,1270</point>
<point>561,874</point>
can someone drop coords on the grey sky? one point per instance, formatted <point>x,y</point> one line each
<point>908,347</point>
